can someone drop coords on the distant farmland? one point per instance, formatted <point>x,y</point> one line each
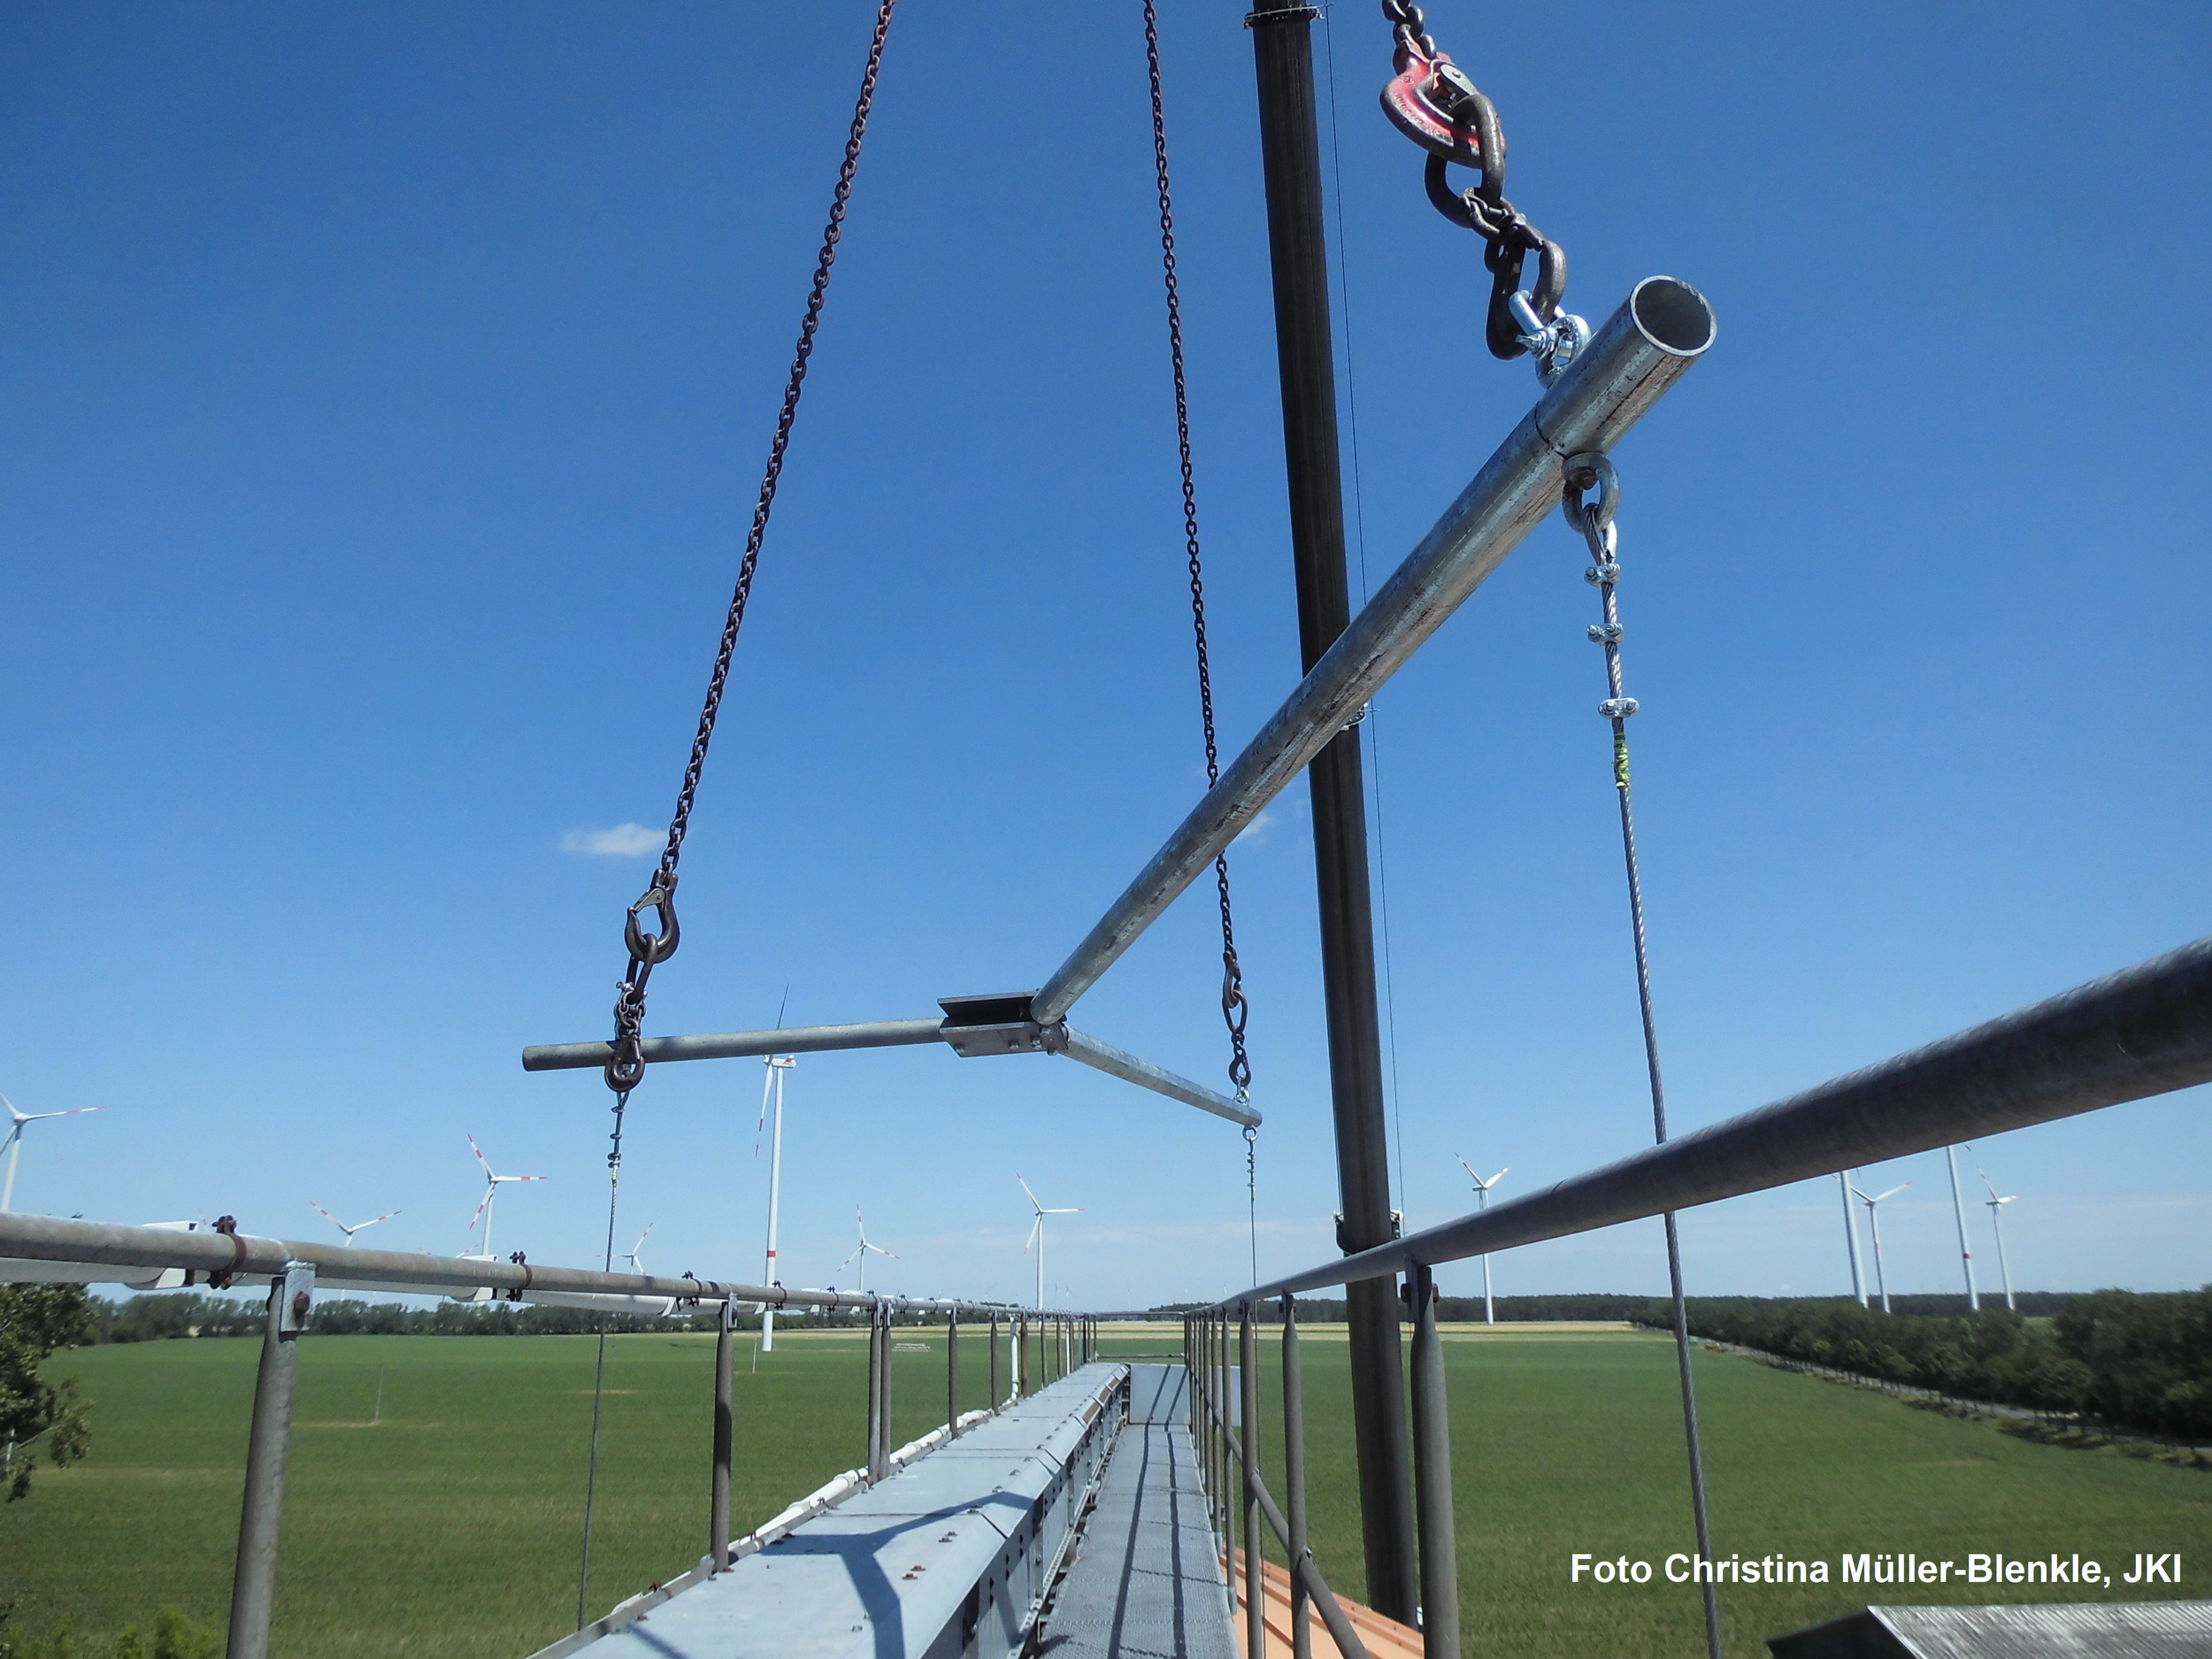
<point>451,1526</point>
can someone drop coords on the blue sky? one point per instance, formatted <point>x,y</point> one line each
<point>385,394</point>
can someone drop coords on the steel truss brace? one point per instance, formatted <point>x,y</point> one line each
<point>972,1027</point>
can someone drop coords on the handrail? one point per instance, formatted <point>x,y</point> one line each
<point>227,1254</point>
<point>2146,1030</point>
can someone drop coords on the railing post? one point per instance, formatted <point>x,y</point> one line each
<point>725,1435</point>
<point>1228,1459</point>
<point>995,1401</point>
<point>1294,1481</point>
<point>253,1584</point>
<point>1249,1376</point>
<point>1433,1477</point>
<point>887,1311</point>
<point>952,1374</point>
<point>876,1343</point>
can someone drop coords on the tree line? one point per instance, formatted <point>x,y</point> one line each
<point>2129,1360</point>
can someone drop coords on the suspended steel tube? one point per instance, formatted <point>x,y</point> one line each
<point>1020,1037</point>
<point>1644,348</point>
<point>2145,1031</point>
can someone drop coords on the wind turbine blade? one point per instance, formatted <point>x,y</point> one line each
<point>326,1215</point>
<point>849,1260</point>
<point>1033,1197</point>
<point>1469,1168</point>
<point>1035,1227</point>
<point>387,1215</point>
<point>1073,1211</point>
<point>478,1216</point>
<point>767,1082</point>
<point>1893,1191</point>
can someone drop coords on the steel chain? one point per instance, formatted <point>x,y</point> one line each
<point>1508,236</point>
<point>628,1067</point>
<point>1235,1010</point>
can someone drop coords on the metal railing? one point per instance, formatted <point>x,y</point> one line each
<point>89,1251</point>
<point>2145,1031</point>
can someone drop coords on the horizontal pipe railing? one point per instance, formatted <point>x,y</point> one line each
<point>2143,1031</point>
<point>1643,349</point>
<point>51,1239</point>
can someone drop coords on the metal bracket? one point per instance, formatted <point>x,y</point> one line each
<point>296,1294</point>
<point>977,1026</point>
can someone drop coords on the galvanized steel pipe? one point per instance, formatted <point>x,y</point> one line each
<point>1643,349</point>
<point>2145,1031</point>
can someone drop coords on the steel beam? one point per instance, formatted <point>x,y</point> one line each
<point>2145,1031</point>
<point>1018,1037</point>
<point>1642,349</point>
<point>737,1045</point>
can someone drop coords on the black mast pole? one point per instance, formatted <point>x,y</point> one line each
<point>1290,147</point>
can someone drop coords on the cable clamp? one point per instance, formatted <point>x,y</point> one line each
<point>1605,575</point>
<point>1618,708</point>
<point>1606,633</point>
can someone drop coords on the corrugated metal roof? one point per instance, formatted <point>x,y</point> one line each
<point>2056,1630</point>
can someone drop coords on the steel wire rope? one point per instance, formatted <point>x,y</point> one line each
<point>1235,1007</point>
<point>1359,534</point>
<point>1595,521</point>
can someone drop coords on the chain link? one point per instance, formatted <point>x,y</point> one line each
<point>1508,236</point>
<point>1235,1010</point>
<point>628,1067</point>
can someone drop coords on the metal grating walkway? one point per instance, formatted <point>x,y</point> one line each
<point>1145,1582</point>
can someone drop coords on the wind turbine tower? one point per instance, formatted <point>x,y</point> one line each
<point>1037,1235</point>
<point>17,1121</point>
<point>1851,1236</point>
<point>1874,1221</point>
<point>771,1083</point>
<point>1966,1250</point>
<point>1997,1221</point>
<point>864,1250</point>
<point>492,1184</point>
<point>1482,1202</point>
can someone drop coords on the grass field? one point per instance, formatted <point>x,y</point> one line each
<point>451,1526</point>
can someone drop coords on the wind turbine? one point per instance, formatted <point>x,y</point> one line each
<point>1037,1235</point>
<point>16,1121</point>
<point>358,1226</point>
<point>1997,1220</point>
<point>492,1184</point>
<point>1966,1251</point>
<point>1851,1236</point>
<point>1874,1220</point>
<point>630,1254</point>
<point>861,1251</point>
<point>771,1082</point>
<point>1482,1202</point>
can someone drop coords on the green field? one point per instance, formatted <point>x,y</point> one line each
<point>451,1526</point>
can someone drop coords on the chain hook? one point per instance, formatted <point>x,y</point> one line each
<point>647,949</point>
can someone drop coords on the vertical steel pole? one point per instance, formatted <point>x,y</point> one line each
<point>952,1374</point>
<point>1228,1455</point>
<point>995,1401</point>
<point>1290,149</point>
<point>725,1437</point>
<point>1432,1479</point>
<point>253,1584</point>
<point>1254,1600</point>
<point>875,1393</point>
<point>1295,1481</point>
<point>889,1312</point>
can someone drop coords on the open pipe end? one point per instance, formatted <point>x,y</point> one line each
<point>1673,316</point>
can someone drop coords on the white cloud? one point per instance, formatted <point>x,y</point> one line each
<point>624,841</point>
<point>1256,830</point>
